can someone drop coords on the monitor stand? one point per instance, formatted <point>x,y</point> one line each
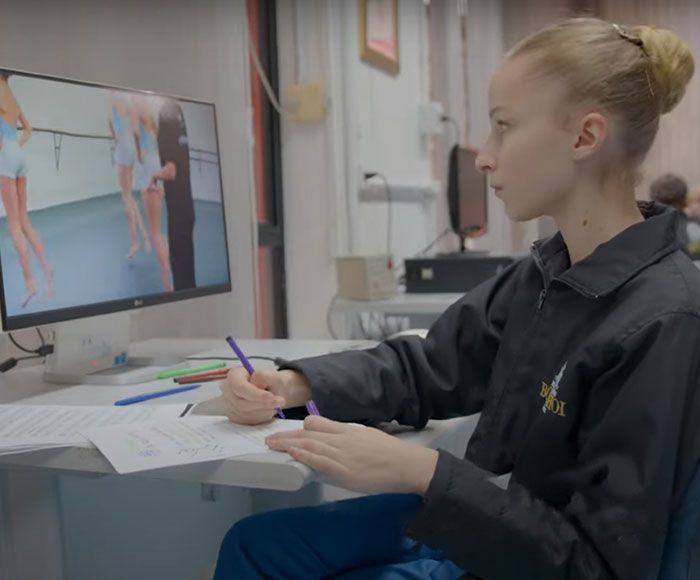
<point>94,351</point>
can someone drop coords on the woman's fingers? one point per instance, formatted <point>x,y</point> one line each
<point>320,463</point>
<point>318,423</point>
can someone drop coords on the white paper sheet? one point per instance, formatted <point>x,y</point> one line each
<point>28,427</point>
<point>157,444</point>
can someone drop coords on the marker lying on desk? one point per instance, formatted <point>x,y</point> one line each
<point>247,366</point>
<point>219,374</point>
<point>190,370</point>
<point>186,381</point>
<point>154,395</point>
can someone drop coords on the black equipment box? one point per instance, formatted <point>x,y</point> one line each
<point>452,272</point>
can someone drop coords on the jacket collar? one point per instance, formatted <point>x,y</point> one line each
<point>614,262</point>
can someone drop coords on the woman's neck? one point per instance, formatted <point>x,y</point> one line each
<point>591,216</point>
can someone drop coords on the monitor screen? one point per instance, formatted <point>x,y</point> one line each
<point>467,193</point>
<point>111,200</point>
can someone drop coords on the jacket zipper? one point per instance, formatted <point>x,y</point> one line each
<point>492,417</point>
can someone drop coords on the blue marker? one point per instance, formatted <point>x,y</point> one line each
<point>154,395</point>
<point>247,366</point>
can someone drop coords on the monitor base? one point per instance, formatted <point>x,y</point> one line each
<point>134,370</point>
<point>94,351</point>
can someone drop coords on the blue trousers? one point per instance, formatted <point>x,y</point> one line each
<point>356,539</point>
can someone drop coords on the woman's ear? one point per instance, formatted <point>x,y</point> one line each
<point>592,132</point>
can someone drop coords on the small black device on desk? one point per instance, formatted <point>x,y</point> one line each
<point>452,272</point>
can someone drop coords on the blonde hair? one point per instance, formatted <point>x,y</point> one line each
<point>634,73</point>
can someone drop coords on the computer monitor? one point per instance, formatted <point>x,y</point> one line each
<point>112,201</point>
<point>467,193</point>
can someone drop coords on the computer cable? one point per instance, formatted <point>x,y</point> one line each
<point>19,346</point>
<point>431,244</point>
<point>387,188</point>
<point>453,122</point>
<point>43,351</point>
<point>329,321</point>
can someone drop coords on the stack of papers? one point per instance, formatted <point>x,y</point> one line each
<point>30,427</point>
<point>163,443</point>
<point>134,438</point>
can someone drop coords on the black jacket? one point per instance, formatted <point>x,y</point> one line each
<point>586,380</point>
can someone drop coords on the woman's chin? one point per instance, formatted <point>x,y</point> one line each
<point>519,212</point>
<point>516,214</point>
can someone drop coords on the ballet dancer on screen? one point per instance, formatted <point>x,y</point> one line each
<point>13,185</point>
<point>152,192</point>
<point>123,126</point>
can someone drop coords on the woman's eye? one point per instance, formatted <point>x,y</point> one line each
<point>501,125</point>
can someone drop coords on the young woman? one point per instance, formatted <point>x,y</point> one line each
<point>581,359</point>
<point>152,191</point>
<point>122,125</point>
<point>13,186</point>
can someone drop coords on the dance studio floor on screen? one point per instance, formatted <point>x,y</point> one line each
<point>87,242</point>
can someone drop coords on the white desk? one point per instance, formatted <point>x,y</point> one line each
<point>420,309</point>
<point>401,304</point>
<point>264,471</point>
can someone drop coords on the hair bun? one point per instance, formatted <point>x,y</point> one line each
<point>671,63</point>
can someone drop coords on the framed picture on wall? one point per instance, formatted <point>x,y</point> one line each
<point>379,34</point>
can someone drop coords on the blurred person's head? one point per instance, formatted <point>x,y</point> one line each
<point>692,203</point>
<point>669,189</point>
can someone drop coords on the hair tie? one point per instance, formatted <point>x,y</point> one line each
<point>629,37</point>
<point>637,42</point>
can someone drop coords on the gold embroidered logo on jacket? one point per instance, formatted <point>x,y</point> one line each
<point>549,394</point>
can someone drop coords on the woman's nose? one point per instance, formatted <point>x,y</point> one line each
<point>484,162</point>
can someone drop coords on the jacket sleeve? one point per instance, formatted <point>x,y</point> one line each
<point>411,379</point>
<point>614,523</point>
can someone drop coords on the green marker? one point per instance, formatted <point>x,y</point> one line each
<point>191,370</point>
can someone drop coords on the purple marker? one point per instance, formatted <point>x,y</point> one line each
<point>247,366</point>
<point>312,408</point>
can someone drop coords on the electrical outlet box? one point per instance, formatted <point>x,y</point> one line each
<point>365,277</point>
<point>306,102</point>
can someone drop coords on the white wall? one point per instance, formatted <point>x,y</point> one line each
<point>192,49</point>
<point>313,186</point>
<point>372,125</point>
<point>383,135</point>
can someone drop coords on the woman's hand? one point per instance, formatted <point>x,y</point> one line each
<point>359,458</point>
<point>251,400</point>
